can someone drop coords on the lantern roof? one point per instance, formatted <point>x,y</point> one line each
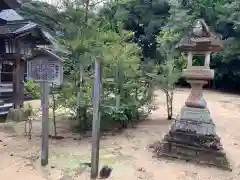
<point>9,4</point>
<point>200,39</point>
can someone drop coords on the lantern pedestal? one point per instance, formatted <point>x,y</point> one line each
<point>195,99</point>
<point>192,135</point>
<point>197,76</point>
<point>195,120</point>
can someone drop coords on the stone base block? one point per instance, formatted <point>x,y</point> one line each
<point>200,156</point>
<point>195,120</point>
<point>192,137</point>
<point>195,114</point>
<point>16,115</point>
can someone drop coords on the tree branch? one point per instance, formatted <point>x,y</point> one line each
<point>96,3</point>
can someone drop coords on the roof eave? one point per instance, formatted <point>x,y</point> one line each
<point>9,4</point>
<point>43,51</point>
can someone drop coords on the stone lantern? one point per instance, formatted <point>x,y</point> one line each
<point>192,135</point>
<point>199,42</point>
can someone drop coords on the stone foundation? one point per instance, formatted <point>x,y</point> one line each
<point>192,137</point>
<point>16,115</point>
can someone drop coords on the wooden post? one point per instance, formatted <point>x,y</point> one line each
<point>96,119</point>
<point>118,94</point>
<point>14,77</point>
<point>18,79</point>
<point>21,83</point>
<point>1,63</point>
<point>79,109</point>
<point>45,125</point>
<point>1,66</point>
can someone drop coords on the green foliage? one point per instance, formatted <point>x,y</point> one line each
<point>32,89</point>
<point>132,13</point>
<point>167,75</point>
<point>168,70</point>
<point>135,41</point>
<point>42,13</point>
<point>174,16</point>
<point>28,110</point>
<point>223,17</point>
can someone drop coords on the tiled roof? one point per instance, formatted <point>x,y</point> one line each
<point>43,51</point>
<point>10,15</point>
<point>2,22</point>
<point>16,26</point>
<point>26,27</point>
<point>10,28</point>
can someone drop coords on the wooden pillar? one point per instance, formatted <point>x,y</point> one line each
<point>14,84</point>
<point>18,78</point>
<point>96,119</point>
<point>21,82</point>
<point>1,64</point>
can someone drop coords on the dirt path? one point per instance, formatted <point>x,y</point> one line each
<point>127,152</point>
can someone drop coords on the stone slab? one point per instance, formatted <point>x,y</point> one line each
<point>199,115</point>
<point>191,126</point>
<point>198,72</point>
<point>194,120</point>
<point>16,115</point>
<point>187,153</point>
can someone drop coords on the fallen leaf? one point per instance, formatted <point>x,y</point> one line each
<point>141,169</point>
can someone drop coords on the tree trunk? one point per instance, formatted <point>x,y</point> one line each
<point>54,123</point>
<point>54,114</point>
<point>86,11</point>
<point>83,119</point>
<point>169,99</point>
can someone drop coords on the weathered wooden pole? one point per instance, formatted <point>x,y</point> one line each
<point>18,78</point>
<point>96,119</point>
<point>45,126</point>
<point>1,63</point>
<point>45,68</point>
<point>1,67</point>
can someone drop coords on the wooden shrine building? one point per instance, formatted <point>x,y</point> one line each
<point>18,38</point>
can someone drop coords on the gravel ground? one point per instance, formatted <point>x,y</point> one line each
<point>127,153</point>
